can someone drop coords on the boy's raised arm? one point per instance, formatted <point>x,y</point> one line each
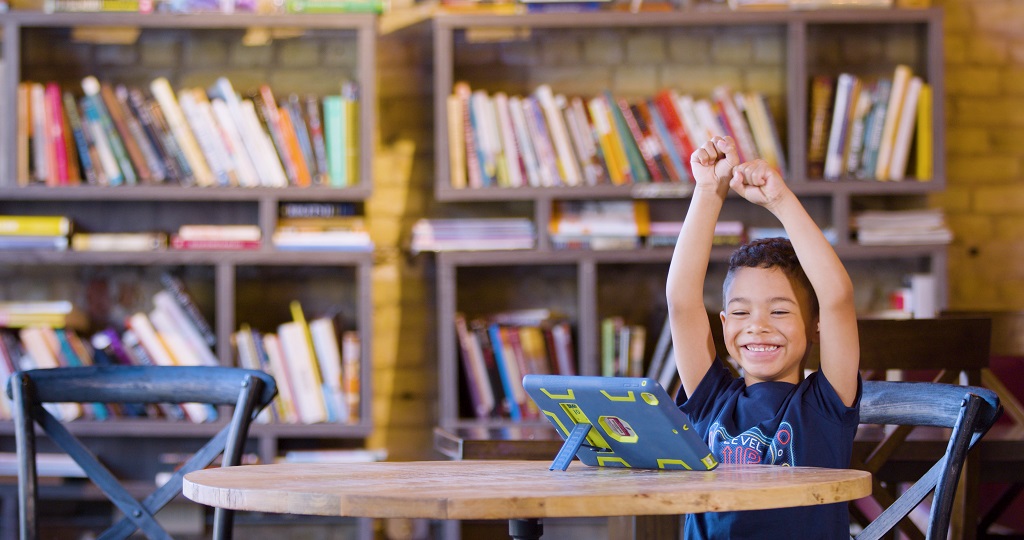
<point>692,344</point>
<point>757,182</point>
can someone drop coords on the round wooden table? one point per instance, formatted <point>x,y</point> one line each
<point>522,491</point>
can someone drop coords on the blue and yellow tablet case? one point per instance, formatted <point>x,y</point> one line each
<point>618,422</point>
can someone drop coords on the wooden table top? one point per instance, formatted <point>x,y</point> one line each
<point>474,489</point>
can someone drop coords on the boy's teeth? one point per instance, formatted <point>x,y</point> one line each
<point>761,348</point>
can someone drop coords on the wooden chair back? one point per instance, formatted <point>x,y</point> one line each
<point>248,391</point>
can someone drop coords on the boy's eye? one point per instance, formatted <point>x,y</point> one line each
<point>739,313</point>
<point>779,312</point>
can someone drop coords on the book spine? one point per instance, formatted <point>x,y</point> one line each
<point>301,126</point>
<point>91,86</point>
<point>179,127</point>
<point>619,110</point>
<point>58,173</point>
<point>567,165</point>
<point>456,143</point>
<point>266,107</point>
<point>289,131</point>
<point>900,80</point>
<point>314,119</point>
<point>128,141</point>
<point>334,137</point>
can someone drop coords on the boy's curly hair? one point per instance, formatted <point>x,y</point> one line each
<point>770,253</point>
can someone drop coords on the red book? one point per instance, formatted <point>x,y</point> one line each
<point>683,145</point>
<point>57,172</point>
<point>217,245</point>
<point>638,138</point>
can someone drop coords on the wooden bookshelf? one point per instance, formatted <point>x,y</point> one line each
<point>809,41</point>
<point>321,280</point>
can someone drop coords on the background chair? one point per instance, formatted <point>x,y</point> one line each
<point>967,411</point>
<point>248,391</point>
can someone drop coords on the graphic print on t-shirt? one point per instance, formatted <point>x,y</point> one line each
<point>752,446</point>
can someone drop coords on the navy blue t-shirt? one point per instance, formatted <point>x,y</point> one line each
<point>778,423</point>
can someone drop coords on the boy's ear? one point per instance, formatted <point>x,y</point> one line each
<point>815,337</point>
<point>721,315</point>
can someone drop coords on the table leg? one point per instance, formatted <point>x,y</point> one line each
<point>525,529</point>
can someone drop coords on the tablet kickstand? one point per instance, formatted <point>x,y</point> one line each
<point>570,447</point>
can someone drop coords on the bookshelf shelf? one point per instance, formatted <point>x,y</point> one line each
<point>684,50</point>
<point>231,288</point>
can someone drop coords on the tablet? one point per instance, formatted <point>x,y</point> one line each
<point>618,422</point>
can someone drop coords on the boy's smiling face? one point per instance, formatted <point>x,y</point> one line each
<point>767,325</point>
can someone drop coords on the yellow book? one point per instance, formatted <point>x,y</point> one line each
<point>606,138</point>
<point>35,225</point>
<point>925,151</point>
<point>456,144</point>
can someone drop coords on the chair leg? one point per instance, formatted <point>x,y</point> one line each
<point>223,519</point>
<point>25,442</point>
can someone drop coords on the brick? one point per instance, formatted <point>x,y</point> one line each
<point>957,18</point>
<point>561,51</point>
<point>770,50</point>
<point>576,80</point>
<point>990,112</point>
<point>731,49</point>
<point>700,80</point>
<point>635,81</point>
<point>966,227</point>
<point>955,49</point>
<point>983,168</point>
<point>1010,141</point>
<point>974,81</point>
<point>250,56</point>
<point>689,48</point>
<point>1000,199</point>
<point>116,55</point>
<point>645,48</point>
<point>988,50</point>
<point>997,17</point>
<point>969,141</point>
<point>1013,79</point>
<point>1017,52</point>
<point>604,48</point>
<point>955,198</point>
<point>1008,227</point>
<point>200,51</point>
<point>902,48</point>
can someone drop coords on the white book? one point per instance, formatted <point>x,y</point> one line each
<point>233,144</point>
<point>144,330</point>
<point>487,138</point>
<point>905,130</point>
<point>709,122</point>
<point>509,145</point>
<point>740,128</point>
<point>288,408</point>
<point>37,105</point>
<point>328,356</point>
<point>207,139</point>
<point>222,90</point>
<point>164,301</point>
<point>900,80</point>
<point>837,131</point>
<point>567,163</point>
<point>526,149</point>
<point>268,163</point>
<point>165,98</point>
<point>691,125</point>
<point>300,361</point>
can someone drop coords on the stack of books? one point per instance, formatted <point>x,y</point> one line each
<point>472,234</point>
<point>216,237</point>
<point>45,233</point>
<point>599,224</point>
<point>902,227</point>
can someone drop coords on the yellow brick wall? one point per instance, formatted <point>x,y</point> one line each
<point>984,49</point>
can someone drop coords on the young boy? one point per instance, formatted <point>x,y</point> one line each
<point>779,297</point>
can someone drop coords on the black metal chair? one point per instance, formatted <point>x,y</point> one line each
<point>249,391</point>
<point>968,411</point>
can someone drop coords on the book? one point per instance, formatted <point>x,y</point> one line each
<point>873,126</point>
<point>328,356</point>
<point>120,120</point>
<point>179,292</point>
<point>567,166</point>
<point>24,225</point>
<point>300,362</point>
<point>527,152</point>
<point>267,168</point>
<point>290,129</point>
<point>137,241</point>
<point>456,144</point>
<point>34,243</point>
<point>474,175</point>
<point>102,115</point>
<point>334,138</point>
<point>351,367</point>
<point>905,130</point>
<point>146,133</point>
<point>314,121</point>
<point>845,97</point>
<point>179,127</point>
<point>485,133</point>
<point>819,112</point>
<point>234,146</point>
<point>219,232</point>
<point>87,170</point>
<point>183,324</point>
<point>287,401</point>
<point>512,165</point>
<point>335,6</point>
<point>925,156</point>
<point>543,143</point>
<point>618,110</point>
<point>893,111</point>
<point>614,156</point>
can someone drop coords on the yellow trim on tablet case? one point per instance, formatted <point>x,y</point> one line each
<point>554,418</point>
<point>604,461</point>
<point>578,417</point>
<point>709,461</point>
<point>663,462</point>
<point>568,395</point>
<point>628,397</point>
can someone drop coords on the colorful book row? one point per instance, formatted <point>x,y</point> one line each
<point>866,129</point>
<point>548,139</point>
<point>113,134</point>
